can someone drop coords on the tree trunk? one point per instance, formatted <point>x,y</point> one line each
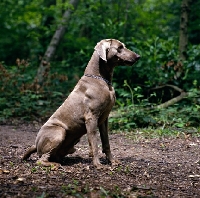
<point>51,49</point>
<point>183,38</point>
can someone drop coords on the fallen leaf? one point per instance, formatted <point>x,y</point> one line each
<point>192,176</point>
<point>20,179</point>
<point>6,171</point>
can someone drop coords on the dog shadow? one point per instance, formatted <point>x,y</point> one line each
<point>73,160</point>
<point>131,159</point>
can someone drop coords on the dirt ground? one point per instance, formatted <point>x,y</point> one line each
<point>149,168</point>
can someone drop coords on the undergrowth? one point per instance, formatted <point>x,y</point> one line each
<point>135,111</point>
<point>20,99</point>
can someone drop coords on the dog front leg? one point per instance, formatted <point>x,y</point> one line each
<point>103,128</point>
<point>91,126</point>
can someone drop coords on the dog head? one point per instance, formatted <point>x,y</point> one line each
<point>115,52</point>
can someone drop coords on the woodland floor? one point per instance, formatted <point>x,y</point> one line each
<point>159,167</point>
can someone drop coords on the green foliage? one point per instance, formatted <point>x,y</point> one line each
<point>150,28</point>
<point>132,110</point>
<point>141,113</point>
<point>194,18</point>
<point>155,54</point>
<point>29,25</point>
<point>18,97</point>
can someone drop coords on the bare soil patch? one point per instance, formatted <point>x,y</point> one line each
<point>162,167</point>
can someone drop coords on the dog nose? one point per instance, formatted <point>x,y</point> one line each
<point>137,57</point>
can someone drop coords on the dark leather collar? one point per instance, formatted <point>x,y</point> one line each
<point>98,77</point>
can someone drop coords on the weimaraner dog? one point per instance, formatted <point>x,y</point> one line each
<point>85,110</point>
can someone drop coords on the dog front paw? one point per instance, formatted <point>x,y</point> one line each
<point>97,164</point>
<point>115,162</point>
<point>90,154</point>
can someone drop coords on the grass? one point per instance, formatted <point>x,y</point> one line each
<point>158,132</point>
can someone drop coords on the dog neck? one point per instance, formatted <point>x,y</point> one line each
<point>99,67</point>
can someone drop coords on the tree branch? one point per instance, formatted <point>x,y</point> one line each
<point>173,100</point>
<point>167,85</point>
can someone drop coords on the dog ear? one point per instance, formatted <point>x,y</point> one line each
<point>101,48</point>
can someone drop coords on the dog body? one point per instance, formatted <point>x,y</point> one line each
<point>86,109</point>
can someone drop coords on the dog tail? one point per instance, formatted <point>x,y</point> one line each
<point>28,153</point>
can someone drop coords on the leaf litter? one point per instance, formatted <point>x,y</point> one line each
<point>159,167</point>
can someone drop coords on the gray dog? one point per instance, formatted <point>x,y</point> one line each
<point>85,110</point>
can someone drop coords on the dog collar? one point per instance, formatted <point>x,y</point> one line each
<point>98,77</point>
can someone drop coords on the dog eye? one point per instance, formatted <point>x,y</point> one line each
<point>119,49</point>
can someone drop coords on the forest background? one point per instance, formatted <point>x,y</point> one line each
<point>161,91</point>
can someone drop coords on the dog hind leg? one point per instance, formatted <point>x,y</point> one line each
<point>28,153</point>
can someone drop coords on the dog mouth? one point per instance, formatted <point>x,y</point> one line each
<point>130,63</point>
